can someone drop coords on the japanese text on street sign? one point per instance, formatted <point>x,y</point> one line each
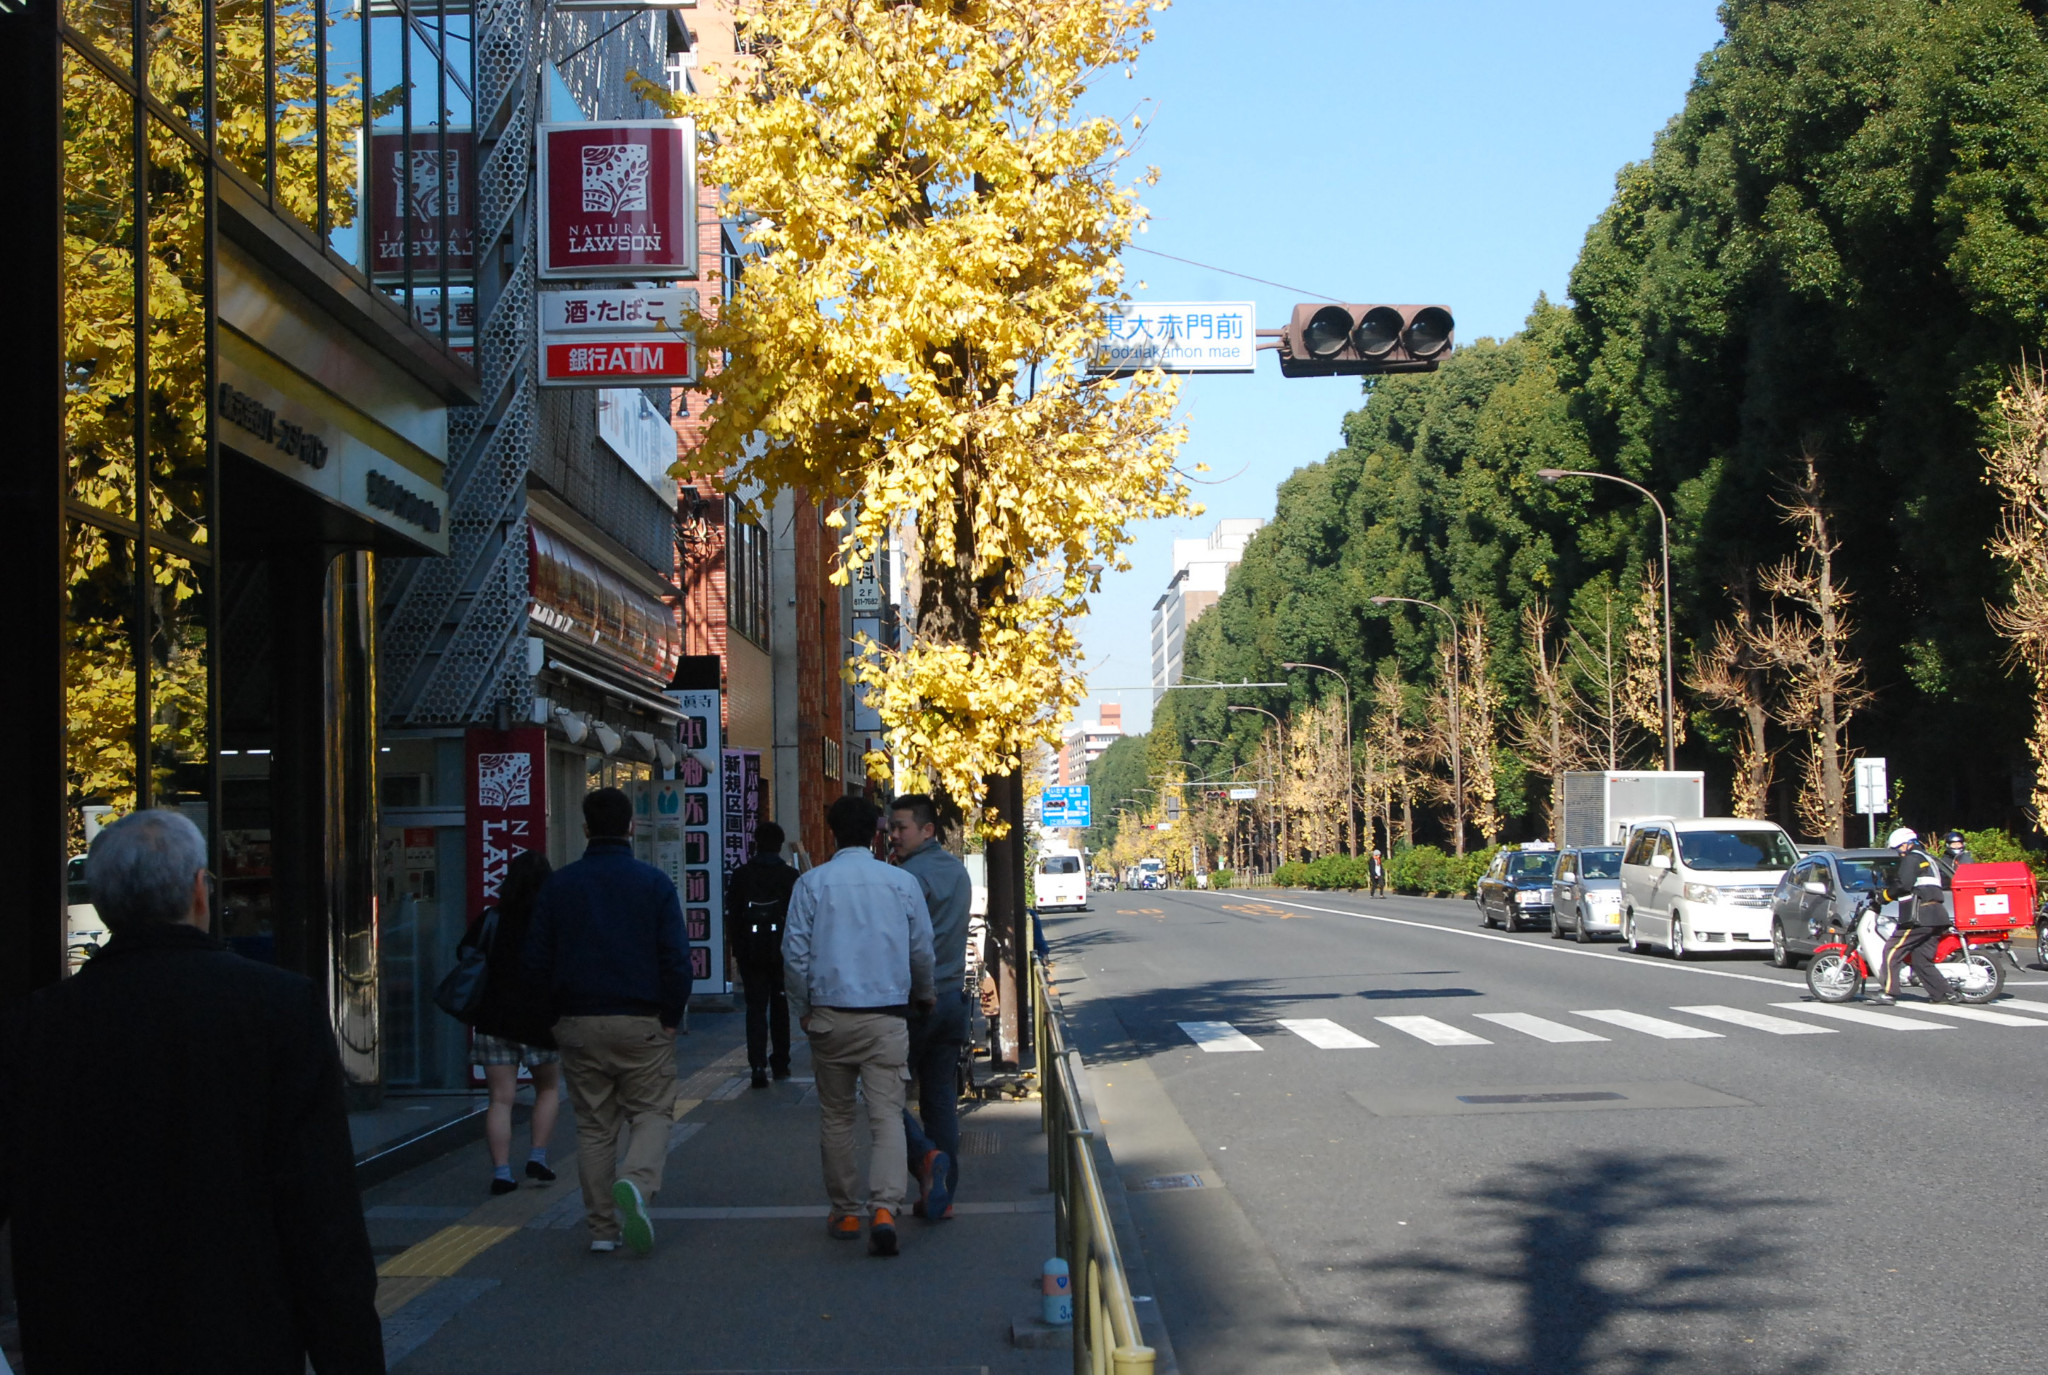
<point>1065,806</point>
<point>1184,336</point>
<point>1243,794</point>
<point>592,337</point>
<point>1870,787</point>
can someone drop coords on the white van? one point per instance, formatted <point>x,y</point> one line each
<point>1702,884</point>
<point>1062,880</point>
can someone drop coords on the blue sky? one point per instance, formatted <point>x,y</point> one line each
<point>1371,150</point>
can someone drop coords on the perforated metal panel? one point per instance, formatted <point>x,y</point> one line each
<point>453,637</point>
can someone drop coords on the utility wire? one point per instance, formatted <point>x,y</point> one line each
<point>1245,276</point>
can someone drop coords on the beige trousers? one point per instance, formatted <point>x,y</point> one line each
<point>621,1073</point>
<point>871,1049</point>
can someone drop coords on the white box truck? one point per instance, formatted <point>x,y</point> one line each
<point>1599,806</point>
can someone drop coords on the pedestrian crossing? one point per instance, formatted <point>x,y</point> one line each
<point>1566,1028</point>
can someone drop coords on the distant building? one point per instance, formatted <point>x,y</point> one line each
<point>1201,568</point>
<point>1085,744</point>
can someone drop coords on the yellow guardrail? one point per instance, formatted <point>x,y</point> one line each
<point>1106,1336</point>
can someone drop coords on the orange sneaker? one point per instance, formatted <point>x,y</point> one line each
<point>882,1233</point>
<point>843,1227</point>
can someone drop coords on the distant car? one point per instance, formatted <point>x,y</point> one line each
<point>1105,881</point>
<point>1151,875</point>
<point>1822,888</point>
<point>1586,899</point>
<point>1515,894</point>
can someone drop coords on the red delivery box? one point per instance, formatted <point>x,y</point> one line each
<point>1993,897</point>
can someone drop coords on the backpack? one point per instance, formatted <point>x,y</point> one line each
<point>758,939</point>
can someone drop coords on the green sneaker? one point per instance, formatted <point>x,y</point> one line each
<point>633,1220</point>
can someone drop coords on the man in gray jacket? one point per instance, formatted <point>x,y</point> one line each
<point>856,957</point>
<point>936,1037</point>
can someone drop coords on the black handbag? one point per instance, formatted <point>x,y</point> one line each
<point>461,991</point>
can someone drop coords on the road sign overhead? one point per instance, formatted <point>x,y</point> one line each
<point>1177,336</point>
<point>1065,806</point>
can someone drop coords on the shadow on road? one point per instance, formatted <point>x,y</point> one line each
<point>1608,1265</point>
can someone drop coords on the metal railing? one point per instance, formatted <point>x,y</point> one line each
<point>1106,1336</point>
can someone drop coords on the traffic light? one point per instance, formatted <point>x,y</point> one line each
<point>1333,340</point>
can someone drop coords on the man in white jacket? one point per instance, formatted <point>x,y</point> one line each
<point>856,955</point>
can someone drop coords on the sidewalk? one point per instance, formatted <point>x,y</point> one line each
<point>742,1277</point>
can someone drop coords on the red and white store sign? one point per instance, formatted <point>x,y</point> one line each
<point>505,782</point>
<point>604,338</point>
<point>619,199</point>
<point>420,193</point>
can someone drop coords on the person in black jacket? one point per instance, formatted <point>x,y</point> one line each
<point>204,1090</point>
<point>514,1026</point>
<point>756,905</point>
<point>1923,917</point>
<point>607,945</point>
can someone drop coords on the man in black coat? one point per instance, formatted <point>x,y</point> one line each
<point>174,1148</point>
<point>756,907</point>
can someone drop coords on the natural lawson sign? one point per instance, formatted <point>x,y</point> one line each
<point>1177,336</point>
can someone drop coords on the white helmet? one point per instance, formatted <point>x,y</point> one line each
<point>1905,835</point>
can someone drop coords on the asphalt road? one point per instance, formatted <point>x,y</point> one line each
<point>1578,1160</point>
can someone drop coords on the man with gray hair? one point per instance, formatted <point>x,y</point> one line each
<point>174,1148</point>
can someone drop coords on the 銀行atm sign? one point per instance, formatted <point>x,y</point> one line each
<point>602,338</point>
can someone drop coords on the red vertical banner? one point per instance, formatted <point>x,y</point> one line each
<point>505,782</point>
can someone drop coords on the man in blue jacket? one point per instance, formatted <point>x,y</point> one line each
<point>607,943</point>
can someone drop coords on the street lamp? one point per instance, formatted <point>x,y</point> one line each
<point>1551,475</point>
<point>1280,728</point>
<point>1457,741</point>
<point>1350,813</point>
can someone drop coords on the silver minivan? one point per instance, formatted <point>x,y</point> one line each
<point>1702,884</point>
<point>1587,894</point>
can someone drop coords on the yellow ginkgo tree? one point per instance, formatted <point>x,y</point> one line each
<point>937,230</point>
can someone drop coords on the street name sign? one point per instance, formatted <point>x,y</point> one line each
<point>1177,336</point>
<point>1870,787</point>
<point>1243,794</point>
<point>1065,806</point>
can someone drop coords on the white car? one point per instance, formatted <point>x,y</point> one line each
<point>1702,884</point>
<point>1062,880</point>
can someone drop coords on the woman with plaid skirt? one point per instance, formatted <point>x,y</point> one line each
<point>513,1028</point>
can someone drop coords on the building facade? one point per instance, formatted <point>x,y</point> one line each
<point>230,408</point>
<point>1083,744</point>
<point>1201,570</point>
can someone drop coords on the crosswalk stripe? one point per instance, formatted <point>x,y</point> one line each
<point>1756,1021</point>
<point>1218,1036</point>
<point>1431,1030</point>
<point>1974,1014</point>
<point>1324,1034</point>
<point>1542,1028</point>
<point>2022,1005</point>
<point>1649,1026</point>
<point>1863,1017</point>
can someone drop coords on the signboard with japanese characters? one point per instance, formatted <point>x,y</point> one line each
<point>619,199</point>
<point>420,206</point>
<point>700,787</point>
<point>592,338</point>
<point>1066,806</point>
<point>1183,336</point>
<point>505,776</point>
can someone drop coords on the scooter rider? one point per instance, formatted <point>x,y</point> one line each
<point>1923,916</point>
<point>1958,851</point>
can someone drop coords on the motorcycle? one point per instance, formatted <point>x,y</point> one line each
<point>1838,969</point>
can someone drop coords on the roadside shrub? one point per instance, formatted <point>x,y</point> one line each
<point>1221,878</point>
<point>1292,874</point>
<point>1419,869</point>
<point>1994,847</point>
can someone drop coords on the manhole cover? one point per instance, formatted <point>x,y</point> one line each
<point>1173,1181</point>
<point>980,1142</point>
